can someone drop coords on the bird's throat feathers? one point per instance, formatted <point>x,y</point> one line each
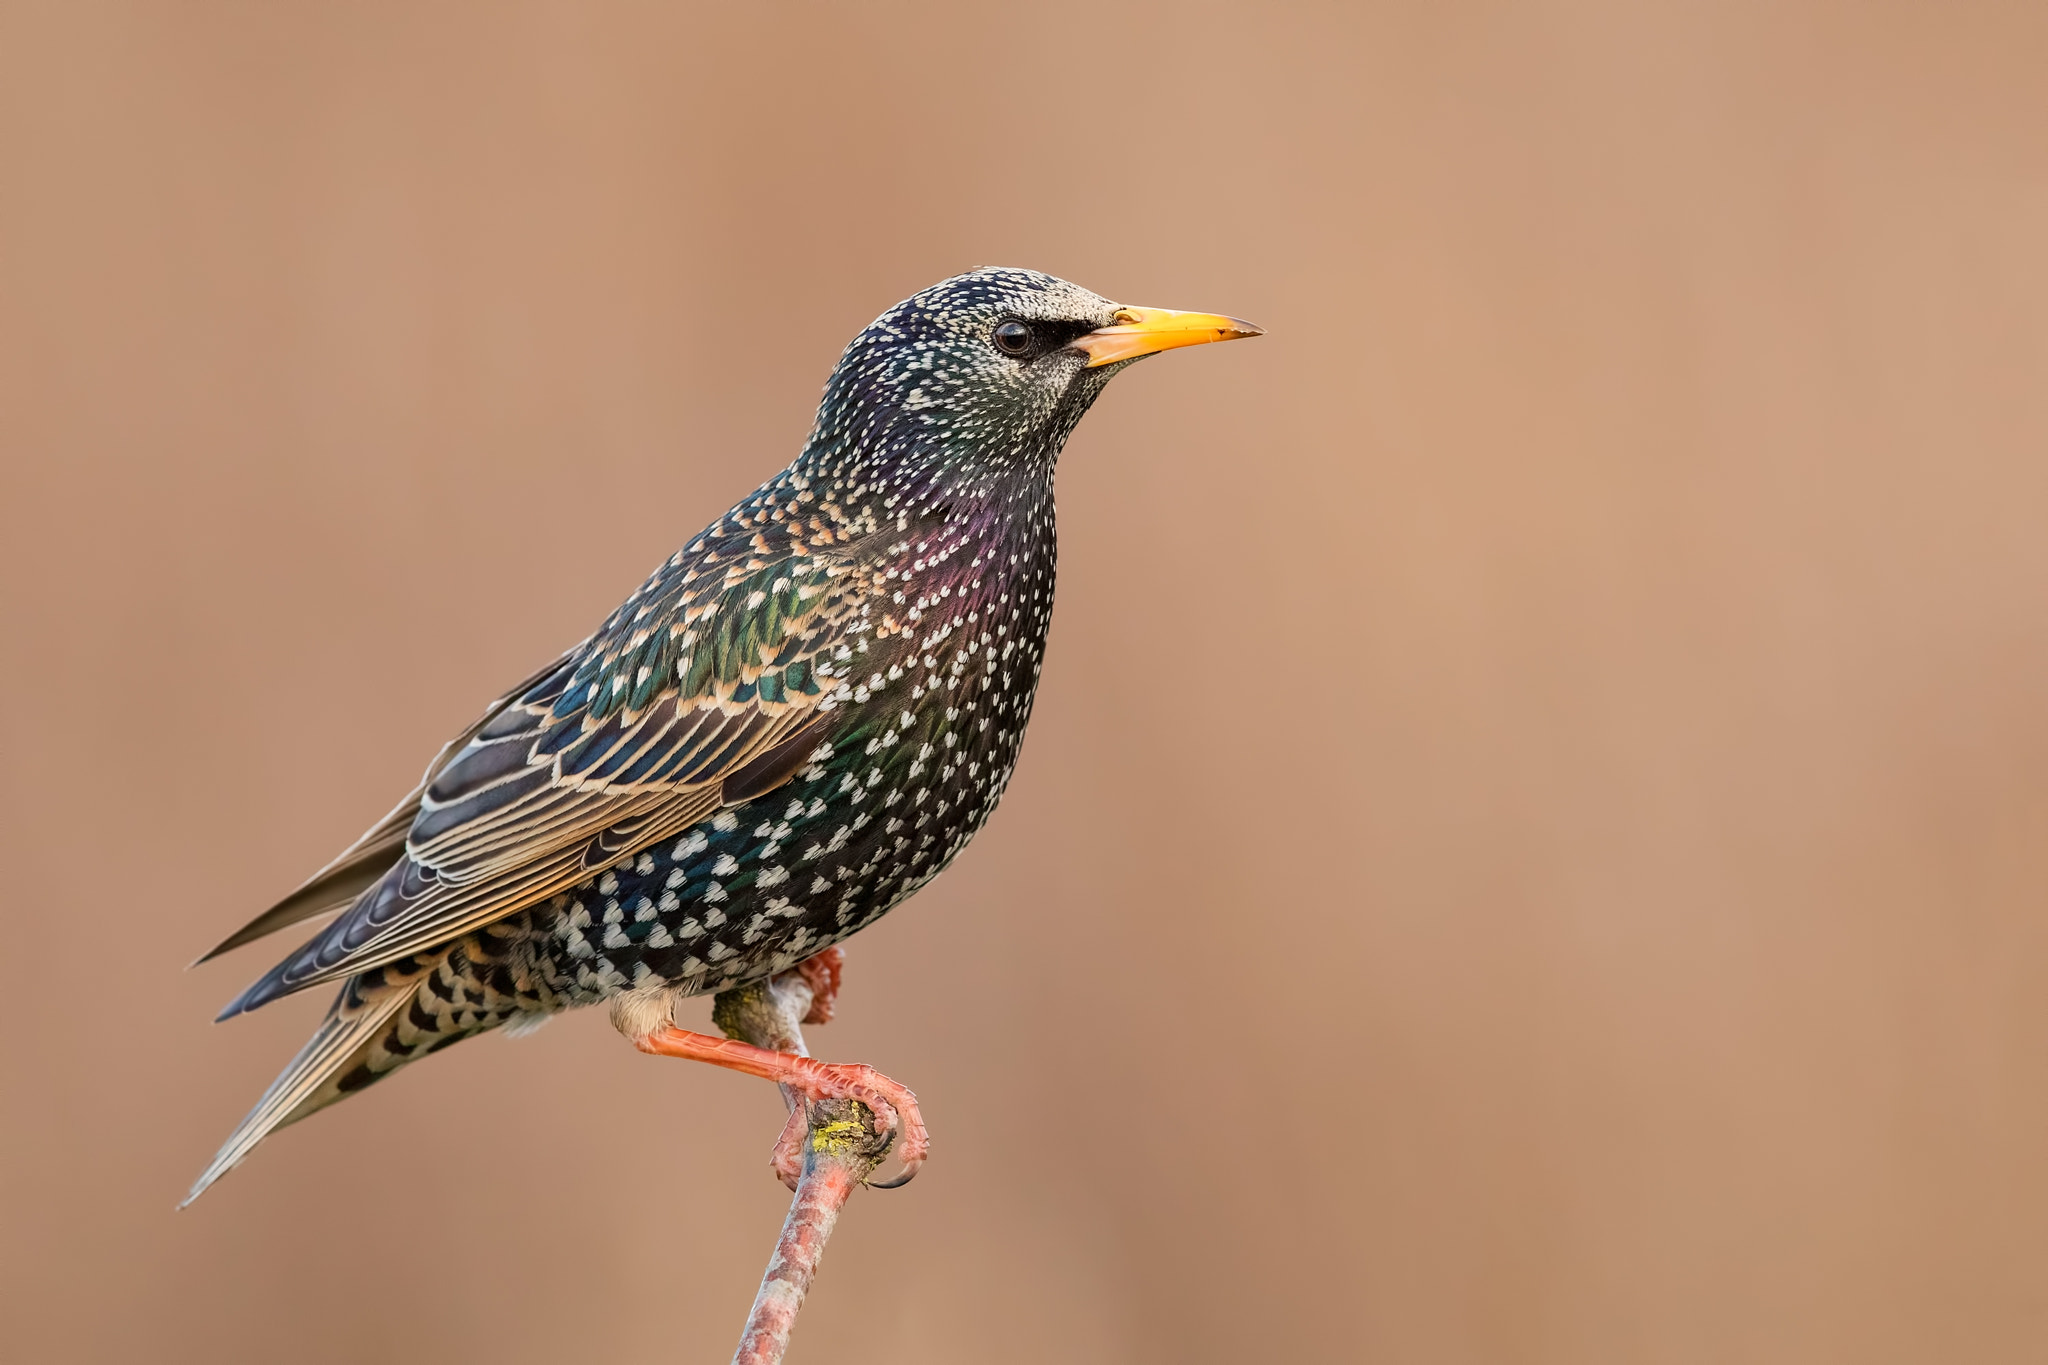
<point>885,460</point>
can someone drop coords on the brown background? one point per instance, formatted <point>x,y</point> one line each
<point>1534,845</point>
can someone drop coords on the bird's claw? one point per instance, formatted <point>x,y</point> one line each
<point>894,1107</point>
<point>787,1160</point>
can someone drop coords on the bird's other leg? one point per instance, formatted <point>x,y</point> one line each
<point>821,972</point>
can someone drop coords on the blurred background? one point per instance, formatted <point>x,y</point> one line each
<point>1534,843</point>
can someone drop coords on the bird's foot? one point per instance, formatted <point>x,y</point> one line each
<point>893,1105</point>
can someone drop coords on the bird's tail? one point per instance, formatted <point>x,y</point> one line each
<point>368,1034</point>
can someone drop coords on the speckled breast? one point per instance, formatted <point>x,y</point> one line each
<point>926,743</point>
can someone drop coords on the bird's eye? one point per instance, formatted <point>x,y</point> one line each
<point>1012,337</point>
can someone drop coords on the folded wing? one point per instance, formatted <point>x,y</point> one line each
<point>712,680</point>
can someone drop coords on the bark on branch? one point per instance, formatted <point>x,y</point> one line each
<point>841,1149</point>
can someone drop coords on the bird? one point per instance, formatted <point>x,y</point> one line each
<point>796,722</point>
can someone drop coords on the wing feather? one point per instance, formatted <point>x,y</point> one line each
<point>638,734</point>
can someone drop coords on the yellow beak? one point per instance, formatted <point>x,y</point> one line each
<point>1141,331</point>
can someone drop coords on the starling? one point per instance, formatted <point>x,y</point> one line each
<point>797,721</point>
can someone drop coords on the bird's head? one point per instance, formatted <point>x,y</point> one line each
<point>987,372</point>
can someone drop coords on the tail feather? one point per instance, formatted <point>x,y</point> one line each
<point>312,1080</point>
<point>390,1016</point>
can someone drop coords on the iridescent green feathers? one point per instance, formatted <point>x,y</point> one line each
<point>727,622</point>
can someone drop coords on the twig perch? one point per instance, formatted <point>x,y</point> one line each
<point>841,1149</point>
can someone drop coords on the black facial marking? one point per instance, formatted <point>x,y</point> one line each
<point>1030,338</point>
